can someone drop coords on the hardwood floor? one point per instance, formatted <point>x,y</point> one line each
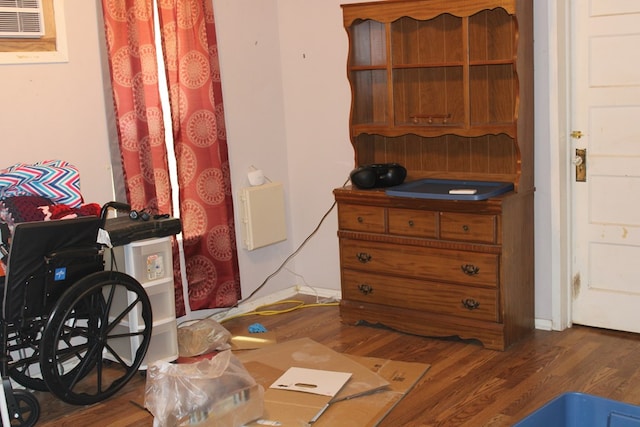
<point>466,385</point>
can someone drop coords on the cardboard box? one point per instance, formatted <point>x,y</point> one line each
<point>374,388</point>
<point>370,409</point>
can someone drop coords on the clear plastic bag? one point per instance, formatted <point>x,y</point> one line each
<point>216,392</point>
<point>202,337</point>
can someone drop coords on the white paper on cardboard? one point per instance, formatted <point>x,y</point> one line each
<point>315,381</point>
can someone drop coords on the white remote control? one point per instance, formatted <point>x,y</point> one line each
<point>463,191</point>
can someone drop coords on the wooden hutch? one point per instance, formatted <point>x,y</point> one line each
<point>445,88</point>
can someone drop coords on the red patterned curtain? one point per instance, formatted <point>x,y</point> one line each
<point>199,139</point>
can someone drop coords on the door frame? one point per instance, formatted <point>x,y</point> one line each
<point>560,161</point>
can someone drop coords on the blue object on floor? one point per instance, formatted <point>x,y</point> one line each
<point>583,410</point>
<point>257,328</point>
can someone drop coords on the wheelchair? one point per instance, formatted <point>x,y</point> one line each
<point>69,325</point>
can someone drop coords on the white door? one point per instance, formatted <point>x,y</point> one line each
<point>605,104</point>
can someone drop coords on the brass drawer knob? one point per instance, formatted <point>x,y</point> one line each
<point>465,228</point>
<point>360,219</point>
<point>470,304</point>
<point>363,257</point>
<point>470,269</point>
<point>410,223</point>
<point>365,289</point>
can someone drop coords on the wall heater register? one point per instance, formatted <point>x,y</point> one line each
<point>263,215</point>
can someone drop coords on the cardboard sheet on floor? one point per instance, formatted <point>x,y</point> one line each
<point>369,410</point>
<point>375,386</point>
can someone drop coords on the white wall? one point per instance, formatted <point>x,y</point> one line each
<point>57,111</point>
<point>312,135</point>
<point>546,181</point>
<point>286,95</point>
<point>287,107</point>
<point>317,101</point>
<point>249,48</point>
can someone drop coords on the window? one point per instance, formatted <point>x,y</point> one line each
<point>51,47</point>
<point>21,18</point>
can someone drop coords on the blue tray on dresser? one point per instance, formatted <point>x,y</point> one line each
<point>450,189</point>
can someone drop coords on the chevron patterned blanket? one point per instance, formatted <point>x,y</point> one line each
<point>55,180</point>
<point>38,192</point>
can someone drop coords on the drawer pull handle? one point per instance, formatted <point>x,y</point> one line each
<point>363,257</point>
<point>410,223</point>
<point>470,304</point>
<point>360,219</point>
<point>365,289</point>
<point>469,269</point>
<point>465,228</point>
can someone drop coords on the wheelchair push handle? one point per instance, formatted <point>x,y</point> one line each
<point>119,206</point>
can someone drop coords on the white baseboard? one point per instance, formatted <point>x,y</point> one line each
<point>246,307</point>
<point>544,324</point>
<point>323,293</point>
<point>320,292</point>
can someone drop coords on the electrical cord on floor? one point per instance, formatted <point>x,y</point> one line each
<point>262,311</point>
<point>294,253</point>
<point>301,277</point>
<point>280,268</point>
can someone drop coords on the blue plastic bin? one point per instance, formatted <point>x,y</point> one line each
<point>583,410</point>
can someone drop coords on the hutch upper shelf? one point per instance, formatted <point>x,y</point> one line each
<point>415,70</point>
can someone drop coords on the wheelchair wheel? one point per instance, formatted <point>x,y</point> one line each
<point>27,411</point>
<point>96,337</point>
<point>24,345</point>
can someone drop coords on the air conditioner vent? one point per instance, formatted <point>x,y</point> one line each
<point>21,18</point>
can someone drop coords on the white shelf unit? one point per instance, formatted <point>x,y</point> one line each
<point>150,262</point>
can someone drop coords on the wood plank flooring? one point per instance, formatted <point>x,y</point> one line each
<point>467,385</point>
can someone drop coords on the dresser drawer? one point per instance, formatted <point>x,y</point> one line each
<point>461,301</point>
<point>411,222</point>
<point>361,218</point>
<point>468,227</point>
<point>467,268</point>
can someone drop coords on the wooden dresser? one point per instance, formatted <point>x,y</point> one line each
<point>445,88</point>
